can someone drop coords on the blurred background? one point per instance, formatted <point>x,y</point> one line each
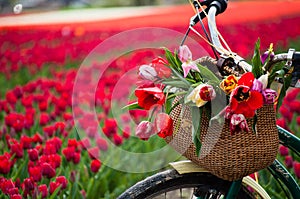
<point>6,6</point>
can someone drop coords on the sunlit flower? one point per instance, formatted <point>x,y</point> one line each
<point>202,94</point>
<point>185,56</point>
<point>229,84</point>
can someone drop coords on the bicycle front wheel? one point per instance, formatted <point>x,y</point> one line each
<point>171,184</point>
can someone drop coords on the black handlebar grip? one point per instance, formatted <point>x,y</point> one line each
<point>221,5</point>
<point>296,71</point>
<point>296,58</point>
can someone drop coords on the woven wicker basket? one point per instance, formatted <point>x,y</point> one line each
<point>229,157</point>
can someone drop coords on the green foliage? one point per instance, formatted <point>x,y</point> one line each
<point>256,62</point>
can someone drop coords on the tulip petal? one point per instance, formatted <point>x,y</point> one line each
<point>246,79</point>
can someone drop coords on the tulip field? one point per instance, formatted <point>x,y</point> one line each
<point>60,122</point>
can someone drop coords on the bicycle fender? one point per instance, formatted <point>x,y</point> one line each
<point>187,166</point>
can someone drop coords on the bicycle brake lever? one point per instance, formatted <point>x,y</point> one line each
<point>292,67</point>
<point>296,71</point>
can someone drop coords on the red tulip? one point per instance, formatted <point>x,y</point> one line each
<point>53,187</point>
<point>95,165</point>
<point>118,140</point>
<point>76,158</point>
<point>43,190</point>
<point>33,154</point>
<point>26,142</point>
<point>16,196</point>
<point>288,161</point>
<point>159,64</point>
<point>63,181</point>
<point>49,130</point>
<point>17,149</point>
<point>48,170</point>
<point>283,151</point>
<point>298,120</point>
<point>35,173</point>
<point>149,96</point>
<point>244,101</point>
<point>110,127</point>
<point>297,169</point>
<point>13,192</point>
<point>281,122</point>
<point>102,144</point>
<point>94,152</point>
<point>69,153</point>
<point>6,185</point>
<point>29,184</point>
<point>5,164</point>
<point>44,119</point>
<point>85,143</point>
<point>163,125</point>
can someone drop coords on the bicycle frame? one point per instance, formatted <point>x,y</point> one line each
<point>278,171</point>
<point>287,139</point>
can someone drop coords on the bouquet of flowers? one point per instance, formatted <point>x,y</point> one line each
<point>179,82</point>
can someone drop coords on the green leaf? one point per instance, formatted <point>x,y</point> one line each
<point>256,62</point>
<point>174,106</point>
<point>196,115</point>
<point>276,70</point>
<point>74,191</point>
<point>90,187</point>
<point>54,194</point>
<point>208,75</point>
<point>176,83</point>
<point>171,59</point>
<point>132,106</point>
<point>22,171</point>
<point>286,84</point>
<point>181,77</point>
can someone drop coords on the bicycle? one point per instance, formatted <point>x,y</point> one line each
<point>197,181</point>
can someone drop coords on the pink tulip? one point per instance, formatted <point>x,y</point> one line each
<point>145,130</point>
<point>185,56</point>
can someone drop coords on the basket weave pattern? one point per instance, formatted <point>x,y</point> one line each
<point>227,156</point>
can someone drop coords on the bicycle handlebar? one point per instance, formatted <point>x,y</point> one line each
<point>215,7</point>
